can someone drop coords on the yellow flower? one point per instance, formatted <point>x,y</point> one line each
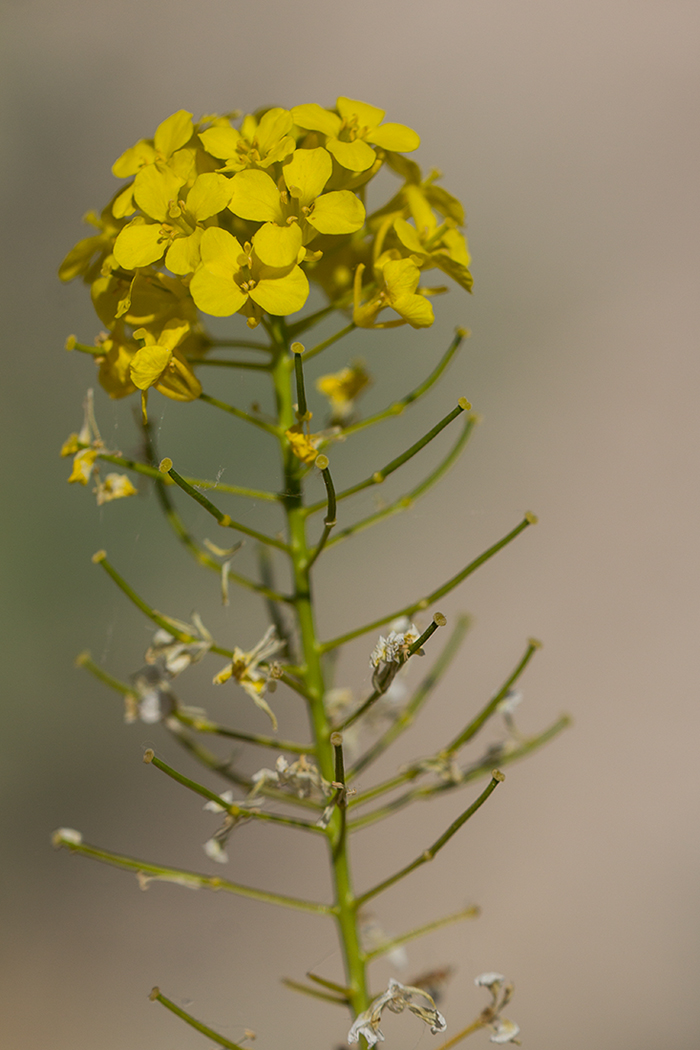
<point>245,669</point>
<point>258,144</point>
<point>262,276</point>
<point>163,152</point>
<point>304,446</point>
<point>398,280</point>
<point>160,364</point>
<point>87,256</point>
<point>171,225</point>
<point>115,364</point>
<point>83,465</point>
<point>114,486</point>
<point>342,388</point>
<point>350,131</point>
<point>256,196</point>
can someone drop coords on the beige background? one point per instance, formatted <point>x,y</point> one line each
<point>570,130</point>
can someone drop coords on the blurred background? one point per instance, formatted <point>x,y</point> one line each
<point>570,132</point>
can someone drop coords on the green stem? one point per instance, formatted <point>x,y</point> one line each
<point>408,715</point>
<point>423,603</point>
<point>231,808</point>
<point>406,501</point>
<point>100,558</point>
<point>428,854</point>
<point>398,406</point>
<point>239,413</point>
<point>381,475</point>
<point>300,556</point>
<point>157,996</point>
<point>203,725</point>
<point>476,723</point>
<point>192,879</point>
<point>320,347</point>
<point>224,520</point>
<point>472,912</point>
<point>482,767</point>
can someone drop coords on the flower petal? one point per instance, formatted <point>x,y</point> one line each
<point>148,365</point>
<point>255,196</point>
<point>154,188</point>
<point>282,295</point>
<point>337,212</point>
<point>315,118</point>
<point>396,137</point>
<point>139,244</point>
<point>307,173</point>
<point>209,194</point>
<point>356,156</point>
<point>173,132</point>
<point>277,246</point>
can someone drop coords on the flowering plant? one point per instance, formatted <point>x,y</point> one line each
<point>217,219</point>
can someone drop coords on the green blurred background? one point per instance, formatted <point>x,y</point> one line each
<point>569,129</point>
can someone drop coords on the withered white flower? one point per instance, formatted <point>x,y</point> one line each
<point>395,998</point>
<point>155,700</point>
<point>489,979</point>
<point>215,851</point>
<point>245,669</point>
<point>177,656</point>
<point>302,776</point>
<point>505,1031</point>
<point>66,836</point>
<point>390,654</point>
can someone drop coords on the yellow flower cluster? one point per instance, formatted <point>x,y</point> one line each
<point>217,219</point>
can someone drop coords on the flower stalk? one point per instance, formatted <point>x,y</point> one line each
<point>217,220</point>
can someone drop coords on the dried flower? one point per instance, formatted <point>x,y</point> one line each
<point>245,668</point>
<point>396,997</point>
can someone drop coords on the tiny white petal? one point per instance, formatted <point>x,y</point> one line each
<point>488,978</point>
<point>70,835</point>
<point>149,708</point>
<point>505,1031</point>
<point>509,702</point>
<point>214,807</point>
<point>213,850</point>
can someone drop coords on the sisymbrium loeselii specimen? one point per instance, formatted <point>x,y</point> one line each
<point>255,217</point>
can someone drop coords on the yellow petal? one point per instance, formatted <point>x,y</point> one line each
<point>282,295</point>
<point>183,254</point>
<point>79,258</point>
<point>133,159</point>
<point>401,277</point>
<point>173,333</point>
<point>214,290</point>
<point>277,246</point>
<point>221,247</point>
<point>396,137</point>
<point>255,196</point>
<point>124,204</point>
<point>154,188</point>
<point>148,365</point>
<point>115,486</point>
<point>315,118</point>
<point>178,381</point>
<point>408,235</point>
<point>367,116</point>
<point>302,445</point>
<point>220,142</point>
<point>415,309</point>
<point>114,375</point>
<point>337,212</point>
<point>274,125</point>
<point>355,156</point>
<point>210,194</point>
<point>173,133</point>
<point>71,445</point>
<point>83,463</point>
<point>139,244</point>
<point>307,173</point>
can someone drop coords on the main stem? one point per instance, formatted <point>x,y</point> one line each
<point>345,901</point>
